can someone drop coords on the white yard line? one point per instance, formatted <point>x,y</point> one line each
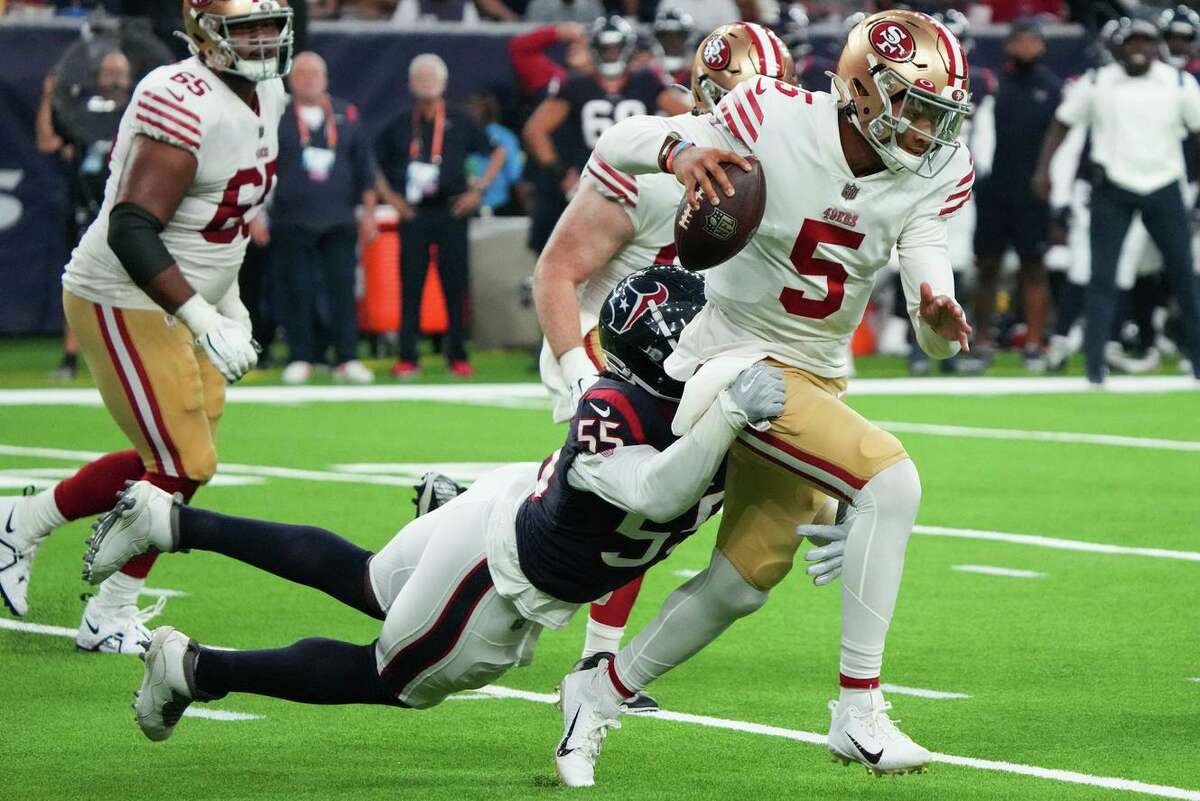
<point>533,395</point>
<point>936,695</point>
<point>495,691</point>
<point>969,432</point>
<point>1068,776</point>
<point>687,574</point>
<point>989,570</point>
<point>219,714</point>
<point>161,592</point>
<point>1056,543</point>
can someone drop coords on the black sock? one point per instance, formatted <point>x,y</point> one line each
<point>304,554</point>
<point>312,671</point>
<point>1069,308</point>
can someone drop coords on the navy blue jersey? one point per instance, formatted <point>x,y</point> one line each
<point>594,110</point>
<point>573,544</point>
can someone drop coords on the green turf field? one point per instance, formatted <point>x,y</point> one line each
<point>1090,668</point>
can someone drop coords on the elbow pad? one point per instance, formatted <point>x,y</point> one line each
<point>133,236</point>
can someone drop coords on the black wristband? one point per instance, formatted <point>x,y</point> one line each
<point>133,235</point>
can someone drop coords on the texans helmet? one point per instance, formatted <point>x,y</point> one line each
<point>640,324</point>
<point>612,41</point>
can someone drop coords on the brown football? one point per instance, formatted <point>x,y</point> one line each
<point>709,235</point>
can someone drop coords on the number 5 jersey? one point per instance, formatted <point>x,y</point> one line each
<point>188,106</point>
<point>798,290</point>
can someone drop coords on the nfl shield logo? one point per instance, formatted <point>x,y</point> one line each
<point>850,191</point>
<point>720,225</point>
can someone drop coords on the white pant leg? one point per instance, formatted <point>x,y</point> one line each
<point>1080,269</point>
<point>447,629</point>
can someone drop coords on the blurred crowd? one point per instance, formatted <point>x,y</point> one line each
<point>1025,254</point>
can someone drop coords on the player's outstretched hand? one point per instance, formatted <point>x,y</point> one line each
<point>699,170</point>
<point>227,342</point>
<point>943,314</point>
<point>825,561</point>
<point>760,392</point>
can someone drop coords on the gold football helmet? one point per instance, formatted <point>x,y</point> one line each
<point>211,33</point>
<point>733,53</point>
<point>903,74</point>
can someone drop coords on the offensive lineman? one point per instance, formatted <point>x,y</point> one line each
<point>849,175</point>
<point>612,227</point>
<point>152,290</point>
<point>464,590</point>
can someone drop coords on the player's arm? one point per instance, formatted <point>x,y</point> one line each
<point>928,282</point>
<point>589,232</point>
<point>539,129</point>
<point>156,177</point>
<point>661,485</point>
<point>1074,110</point>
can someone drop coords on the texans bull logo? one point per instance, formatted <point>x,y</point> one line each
<point>646,302</point>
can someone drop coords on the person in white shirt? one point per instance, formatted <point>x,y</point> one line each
<point>1138,110</point>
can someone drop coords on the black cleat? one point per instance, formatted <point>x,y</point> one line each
<point>435,491</point>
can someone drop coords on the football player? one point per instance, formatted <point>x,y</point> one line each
<point>734,53</point>
<point>464,591</point>
<point>563,129</point>
<point>613,226</point>
<point>673,31</point>
<point>880,166</point>
<point>151,290</point>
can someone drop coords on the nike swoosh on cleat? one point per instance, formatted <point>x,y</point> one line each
<point>562,747</point>
<point>867,755</point>
<point>8,526</point>
<point>96,630</point>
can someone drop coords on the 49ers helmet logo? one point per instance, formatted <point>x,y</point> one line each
<point>891,41</point>
<point>626,313</point>
<point>716,53</point>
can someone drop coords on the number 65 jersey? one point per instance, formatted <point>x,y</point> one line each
<point>798,290</point>
<point>188,106</point>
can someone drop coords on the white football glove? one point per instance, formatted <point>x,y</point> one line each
<point>827,558</point>
<point>226,341</point>
<point>578,373</point>
<point>759,392</point>
<point>231,306</point>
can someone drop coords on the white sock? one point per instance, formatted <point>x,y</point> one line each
<point>860,697</point>
<point>692,617</point>
<point>602,637</point>
<point>884,513</point>
<point>40,515</point>
<point>119,590</point>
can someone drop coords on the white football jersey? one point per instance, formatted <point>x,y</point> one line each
<point>189,106</point>
<point>798,290</point>
<point>650,201</point>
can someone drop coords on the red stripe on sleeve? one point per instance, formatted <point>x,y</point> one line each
<point>755,107</point>
<point>621,178</point>
<point>958,195</point>
<point>616,190</point>
<point>745,118</point>
<point>966,179</point>
<point>169,104</point>
<point>730,124</point>
<point>172,133</point>
<point>154,109</point>
<point>956,207</point>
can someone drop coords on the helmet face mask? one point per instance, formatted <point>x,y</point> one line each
<point>640,324</point>
<point>902,81</point>
<point>227,35</point>
<point>673,30</point>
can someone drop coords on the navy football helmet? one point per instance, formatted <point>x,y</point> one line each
<point>640,324</point>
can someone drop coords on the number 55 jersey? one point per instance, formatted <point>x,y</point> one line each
<point>188,106</point>
<point>798,290</point>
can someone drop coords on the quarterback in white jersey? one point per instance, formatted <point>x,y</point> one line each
<point>617,224</point>
<point>849,176</point>
<point>151,291</point>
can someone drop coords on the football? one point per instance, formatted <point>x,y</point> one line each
<point>710,235</point>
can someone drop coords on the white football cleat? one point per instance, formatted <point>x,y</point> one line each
<point>138,524</point>
<point>115,631</point>
<point>167,683</point>
<point>588,714</point>
<point>17,550</point>
<point>297,373</point>
<point>870,737</point>
<point>353,372</point>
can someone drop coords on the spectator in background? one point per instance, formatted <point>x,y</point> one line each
<point>536,71</point>
<point>1139,110</point>
<point>423,155</point>
<point>466,11</point>
<point>1010,214</point>
<point>708,14</point>
<point>1008,10</point>
<point>325,170</point>
<point>484,109</point>
<point>581,11</point>
<point>78,126</point>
